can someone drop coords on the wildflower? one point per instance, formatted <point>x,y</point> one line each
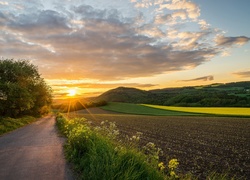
<point>152,153</point>
<point>172,173</point>
<point>161,166</point>
<point>172,164</point>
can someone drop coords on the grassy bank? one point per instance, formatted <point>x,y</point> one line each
<point>143,110</point>
<point>9,124</point>
<point>96,155</point>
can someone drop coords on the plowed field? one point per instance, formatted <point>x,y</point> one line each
<point>201,144</point>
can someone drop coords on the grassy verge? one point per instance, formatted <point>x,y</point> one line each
<point>221,111</point>
<point>95,156</point>
<point>9,124</point>
<point>143,110</point>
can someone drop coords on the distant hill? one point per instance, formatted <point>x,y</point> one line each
<point>236,94</point>
<point>125,94</point>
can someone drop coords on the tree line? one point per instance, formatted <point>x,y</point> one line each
<point>235,95</point>
<point>22,89</point>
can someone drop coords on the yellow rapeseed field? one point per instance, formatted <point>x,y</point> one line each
<point>207,110</point>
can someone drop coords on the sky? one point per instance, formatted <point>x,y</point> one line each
<point>93,46</point>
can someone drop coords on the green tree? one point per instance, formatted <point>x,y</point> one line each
<point>22,90</point>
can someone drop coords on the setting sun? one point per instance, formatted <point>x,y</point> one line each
<point>71,92</point>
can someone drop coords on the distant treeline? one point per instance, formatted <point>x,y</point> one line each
<point>203,98</point>
<point>215,95</point>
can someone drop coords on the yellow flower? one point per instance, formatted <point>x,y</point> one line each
<point>172,173</point>
<point>161,166</point>
<point>173,163</point>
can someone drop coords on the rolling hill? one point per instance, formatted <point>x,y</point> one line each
<point>125,94</point>
<point>235,94</point>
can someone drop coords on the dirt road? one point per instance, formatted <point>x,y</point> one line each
<point>33,152</point>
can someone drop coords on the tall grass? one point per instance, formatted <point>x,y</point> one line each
<point>8,124</point>
<point>97,157</point>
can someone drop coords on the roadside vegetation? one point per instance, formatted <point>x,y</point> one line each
<point>100,157</point>
<point>24,95</point>
<point>8,124</point>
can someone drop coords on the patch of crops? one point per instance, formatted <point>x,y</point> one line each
<point>228,111</point>
<point>201,144</point>
<point>143,110</point>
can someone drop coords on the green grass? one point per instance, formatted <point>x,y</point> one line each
<point>227,111</point>
<point>96,157</point>
<point>240,95</point>
<point>143,110</point>
<point>9,124</point>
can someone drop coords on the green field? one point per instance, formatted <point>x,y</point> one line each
<point>143,110</point>
<point>229,111</point>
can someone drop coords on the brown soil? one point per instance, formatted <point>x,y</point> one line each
<point>201,144</point>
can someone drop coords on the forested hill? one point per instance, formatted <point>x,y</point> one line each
<point>236,94</point>
<point>125,94</point>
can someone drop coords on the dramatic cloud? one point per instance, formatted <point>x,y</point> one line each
<point>243,74</point>
<point>80,41</point>
<point>204,78</point>
<point>230,41</point>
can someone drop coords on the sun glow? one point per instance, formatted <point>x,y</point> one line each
<point>71,92</point>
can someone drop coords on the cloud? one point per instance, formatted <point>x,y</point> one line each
<point>192,10</point>
<point>4,3</point>
<point>46,23</point>
<point>203,24</point>
<point>230,41</point>
<point>3,19</point>
<point>106,47</point>
<point>190,40</point>
<point>204,78</point>
<point>242,74</point>
<point>170,18</point>
<point>81,41</point>
<point>102,85</point>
